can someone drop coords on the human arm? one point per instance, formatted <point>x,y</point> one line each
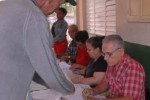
<point>76,66</point>
<point>90,92</point>
<point>97,77</point>
<point>118,98</point>
<point>100,88</point>
<point>94,72</point>
<point>60,31</point>
<point>39,50</point>
<point>64,58</point>
<point>67,58</point>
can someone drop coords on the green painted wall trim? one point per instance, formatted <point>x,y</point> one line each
<point>140,53</point>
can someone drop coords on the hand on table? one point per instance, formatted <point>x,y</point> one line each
<point>75,66</point>
<point>87,93</point>
<point>89,98</point>
<point>76,80</point>
<point>64,58</point>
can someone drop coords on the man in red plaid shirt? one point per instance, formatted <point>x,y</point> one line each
<point>124,78</point>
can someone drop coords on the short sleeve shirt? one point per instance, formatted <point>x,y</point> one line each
<point>82,57</point>
<point>127,78</point>
<point>100,65</point>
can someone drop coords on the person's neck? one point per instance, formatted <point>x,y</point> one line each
<point>98,55</point>
<point>120,60</point>
<point>60,19</point>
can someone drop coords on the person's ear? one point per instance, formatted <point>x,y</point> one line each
<point>122,51</point>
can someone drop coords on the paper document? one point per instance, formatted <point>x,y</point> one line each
<point>48,94</point>
<point>63,65</point>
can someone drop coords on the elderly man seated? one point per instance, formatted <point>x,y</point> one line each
<point>124,77</point>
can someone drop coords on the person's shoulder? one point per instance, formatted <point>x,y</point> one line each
<point>102,61</point>
<point>132,63</point>
<point>65,22</point>
<point>27,7</point>
<point>101,64</point>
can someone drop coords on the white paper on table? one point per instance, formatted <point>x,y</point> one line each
<point>75,96</point>
<point>51,94</point>
<point>78,93</point>
<point>48,94</point>
<point>63,65</point>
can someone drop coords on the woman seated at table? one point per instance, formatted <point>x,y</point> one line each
<point>82,58</point>
<point>97,66</point>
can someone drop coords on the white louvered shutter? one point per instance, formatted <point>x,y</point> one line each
<point>101,16</point>
<point>90,16</point>
<point>110,17</point>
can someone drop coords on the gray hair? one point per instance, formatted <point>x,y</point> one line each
<point>75,27</point>
<point>116,39</point>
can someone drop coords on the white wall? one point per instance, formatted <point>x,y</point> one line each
<point>133,32</point>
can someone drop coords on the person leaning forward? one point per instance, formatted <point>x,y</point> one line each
<point>124,77</point>
<point>26,48</point>
<point>48,7</point>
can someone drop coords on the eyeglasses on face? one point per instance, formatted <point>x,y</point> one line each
<point>109,54</point>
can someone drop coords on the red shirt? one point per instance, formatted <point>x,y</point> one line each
<point>82,57</point>
<point>127,78</point>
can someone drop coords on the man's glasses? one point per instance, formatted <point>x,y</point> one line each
<point>109,54</point>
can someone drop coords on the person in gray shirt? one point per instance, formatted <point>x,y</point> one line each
<point>26,48</point>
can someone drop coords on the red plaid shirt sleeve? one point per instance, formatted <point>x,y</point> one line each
<point>134,79</point>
